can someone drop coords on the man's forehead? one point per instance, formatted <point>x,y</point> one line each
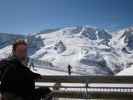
<point>21,46</point>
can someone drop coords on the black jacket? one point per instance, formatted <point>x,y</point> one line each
<point>17,78</point>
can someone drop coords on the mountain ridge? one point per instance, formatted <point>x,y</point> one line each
<point>88,49</point>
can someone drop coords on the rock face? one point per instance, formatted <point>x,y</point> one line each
<point>60,47</point>
<point>87,49</point>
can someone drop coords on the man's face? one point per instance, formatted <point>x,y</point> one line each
<point>21,51</point>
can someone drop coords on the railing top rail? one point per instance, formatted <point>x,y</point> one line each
<point>87,79</point>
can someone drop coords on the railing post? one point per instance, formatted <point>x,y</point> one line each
<point>56,88</point>
<point>86,87</point>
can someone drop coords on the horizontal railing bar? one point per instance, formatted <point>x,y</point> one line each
<point>87,87</point>
<point>93,95</point>
<point>87,79</point>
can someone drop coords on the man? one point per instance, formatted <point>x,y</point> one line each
<point>17,81</point>
<point>69,70</point>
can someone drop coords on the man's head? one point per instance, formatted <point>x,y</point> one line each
<point>19,49</point>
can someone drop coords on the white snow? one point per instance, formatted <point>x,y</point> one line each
<point>87,49</point>
<point>126,72</point>
<point>5,52</point>
<point>44,71</point>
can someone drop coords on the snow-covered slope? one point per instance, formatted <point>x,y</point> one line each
<point>126,72</point>
<point>88,50</point>
<point>78,46</point>
<point>5,52</point>
<point>122,43</point>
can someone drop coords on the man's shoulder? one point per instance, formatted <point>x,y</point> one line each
<point>8,60</point>
<point>2,61</point>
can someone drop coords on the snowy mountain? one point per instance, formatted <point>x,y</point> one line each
<point>7,39</point>
<point>126,72</point>
<point>88,50</point>
<point>5,43</point>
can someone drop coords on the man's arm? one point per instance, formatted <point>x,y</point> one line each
<point>3,66</point>
<point>36,76</point>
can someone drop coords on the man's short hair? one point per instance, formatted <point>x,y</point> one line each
<point>18,42</point>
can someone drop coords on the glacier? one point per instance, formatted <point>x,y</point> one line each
<point>89,50</point>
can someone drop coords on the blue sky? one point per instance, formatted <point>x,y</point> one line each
<point>26,16</point>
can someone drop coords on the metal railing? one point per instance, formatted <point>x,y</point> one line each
<point>116,87</point>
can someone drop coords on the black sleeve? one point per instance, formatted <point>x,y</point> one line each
<point>10,74</point>
<point>3,66</point>
<point>35,75</point>
<point>9,80</point>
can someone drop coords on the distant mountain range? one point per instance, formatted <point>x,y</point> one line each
<point>87,49</point>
